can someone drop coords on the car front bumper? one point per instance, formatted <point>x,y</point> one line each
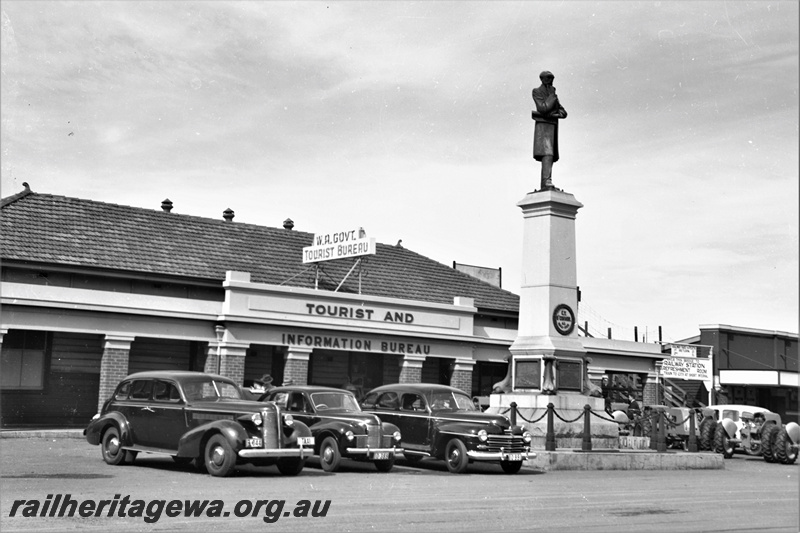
<point>499,456</point>
<point>369,451</point>
<point>251,453</point>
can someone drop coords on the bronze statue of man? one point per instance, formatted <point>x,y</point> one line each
<point>545,133</point>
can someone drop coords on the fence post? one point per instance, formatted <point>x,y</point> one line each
<point>513,413</point>
<point>653,430</point>
<point>550,437</point>
<point>662,437</point>
<point>586,445</point>
<point>692,432</point>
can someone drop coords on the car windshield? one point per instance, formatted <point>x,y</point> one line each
<point>211,389</point>
<point>451,400</point>
<point>334,400</point>
<point>733,415</point>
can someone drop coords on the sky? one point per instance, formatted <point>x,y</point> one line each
<point>412,120</point>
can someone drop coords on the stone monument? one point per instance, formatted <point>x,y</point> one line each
<point>547,363</point>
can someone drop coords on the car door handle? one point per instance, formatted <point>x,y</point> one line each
<point>147,409</point>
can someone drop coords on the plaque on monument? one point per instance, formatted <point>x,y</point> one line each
<point>569,375</point>
<point>528,374</point>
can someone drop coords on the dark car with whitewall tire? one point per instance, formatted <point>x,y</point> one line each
<point>443,422</point>
<point>200,418</point>
<point>339,426</point>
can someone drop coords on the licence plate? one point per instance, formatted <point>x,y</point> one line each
<point>513,457</point>
<point>380,455</point>
<point>254,442</point>
<point>305,441</point>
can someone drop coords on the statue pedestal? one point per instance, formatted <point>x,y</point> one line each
<point>569,436</point>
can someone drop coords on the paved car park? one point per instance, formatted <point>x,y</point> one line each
<point>748,494</point>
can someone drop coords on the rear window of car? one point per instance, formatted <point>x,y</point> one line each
<point>166,391</point>
<point>122,391</point>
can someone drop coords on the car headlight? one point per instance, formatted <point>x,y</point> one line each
<point>396,436</point>
<point>288,420</point>
<point>256,418</point>
<point>349,435</point>
<point>483,436</point>
<point>527,437</point>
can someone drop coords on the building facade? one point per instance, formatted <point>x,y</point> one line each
<point>92,292</point>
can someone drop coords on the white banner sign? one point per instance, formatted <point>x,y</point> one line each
<point>338,245</point>
<point>686,368</point>
<point>683,350</point>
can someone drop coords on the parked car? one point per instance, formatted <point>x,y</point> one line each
<point>741,428</point>
<point>442,422</point>
<point>339,426</point>
<point>197,417</point>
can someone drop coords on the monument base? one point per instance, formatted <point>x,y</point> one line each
<point>568,435</point>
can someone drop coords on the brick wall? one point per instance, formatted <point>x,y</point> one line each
<point>296,370</point>
<point>410,374</point>
<point>113,368</point>
<point>233,367</point>
<point>462,379</point>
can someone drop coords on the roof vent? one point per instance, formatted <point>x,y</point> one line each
<point>228,215</point>
<point>288,224</point>
<point>166,205</point>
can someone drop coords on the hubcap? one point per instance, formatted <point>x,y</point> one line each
<point>113,445</point>
<point>327,455</point>
<point>217,455</point>
<point>455,455</point>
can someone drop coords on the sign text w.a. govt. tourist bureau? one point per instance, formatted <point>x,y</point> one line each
<point>339,245</point>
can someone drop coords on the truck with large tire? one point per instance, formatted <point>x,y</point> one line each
<point>752,430</point>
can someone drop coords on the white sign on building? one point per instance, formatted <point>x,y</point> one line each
<point>686,368</point>
<point>683,350</point>
<point>339,245</point>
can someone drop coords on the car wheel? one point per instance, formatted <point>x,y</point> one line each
<point>455,455</point>
<point>721,442</point>
<point>220,459</point>
<point>111,447</point>
<point>384,465</point>
<point>768,433</point>
<point>511,467</point>
<point>329,455</point>
<point>291,466</point>
<point>707,427</point>
<point>783,450</point>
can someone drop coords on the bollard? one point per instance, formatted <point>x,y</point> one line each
<point>662,437</point>
<point>550,438</point>
<point>692,433</point>
<point>653,431</point>
<point>586,445</point>
<point>513,413</point>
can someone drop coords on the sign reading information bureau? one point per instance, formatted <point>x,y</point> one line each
<point>339,245</point>
<point>686,368</point>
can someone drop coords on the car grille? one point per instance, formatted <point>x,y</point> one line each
<point>372,439</point>
<point>271,428</point>
<point>509,443</point>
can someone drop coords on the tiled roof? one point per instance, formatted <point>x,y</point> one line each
<point>46,228</point>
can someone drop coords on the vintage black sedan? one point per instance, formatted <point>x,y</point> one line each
<point>198,417</point>
<point>442,422</point>
<point>339,426</point>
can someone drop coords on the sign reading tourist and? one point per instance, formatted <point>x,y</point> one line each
<point>339,245</point>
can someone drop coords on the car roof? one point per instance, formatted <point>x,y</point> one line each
<point>419,388</point>
<point>177,375</point>
<point>739,407</point>
<point>307,389</point>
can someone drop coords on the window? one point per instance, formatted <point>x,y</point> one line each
<point>123,391</point>
<point>389,400</point>
<point>22,364</point>
<point>166,392</point>
<point>413,402</point>
<point>140,390</point>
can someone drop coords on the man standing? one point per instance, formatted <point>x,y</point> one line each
<point>545,134</point>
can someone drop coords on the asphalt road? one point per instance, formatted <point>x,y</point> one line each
<point>748,495</point>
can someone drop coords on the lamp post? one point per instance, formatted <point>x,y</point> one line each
<point>220,331</point>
